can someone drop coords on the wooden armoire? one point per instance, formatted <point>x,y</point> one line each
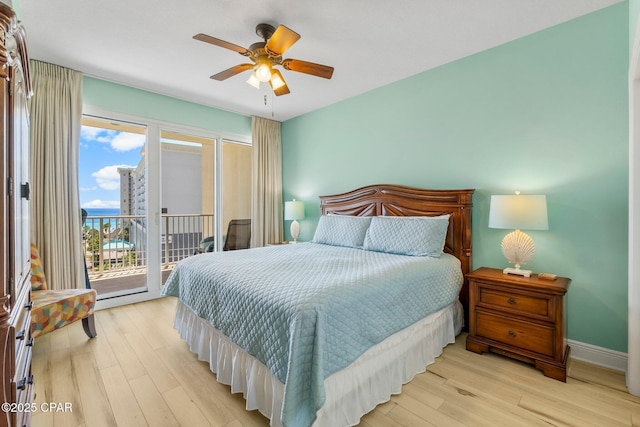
<point>15,293</point>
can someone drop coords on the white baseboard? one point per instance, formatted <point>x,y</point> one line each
<point>598,355</point>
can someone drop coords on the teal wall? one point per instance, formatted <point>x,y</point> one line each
<point>634,10</point>
<point>543,114</point>
<point>126,100</point>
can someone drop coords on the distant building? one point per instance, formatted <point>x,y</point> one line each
<point>181,182</point>
<point>139,189</point>
<point>181,195</point>
<point>127,182</point>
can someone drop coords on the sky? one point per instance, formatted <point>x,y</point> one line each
<point>102,152</point>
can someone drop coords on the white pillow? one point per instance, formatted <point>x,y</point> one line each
<point>416,235</point>
<point>342,230</point>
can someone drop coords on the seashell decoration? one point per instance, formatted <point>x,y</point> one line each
<point>518,248</point>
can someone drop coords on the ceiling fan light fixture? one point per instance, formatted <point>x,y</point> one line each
<point>254,81</point>
<point>265,56</point>
<point>276,81</point>
<point>263,73</point>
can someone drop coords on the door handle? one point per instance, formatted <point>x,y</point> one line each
<point>25,190</point>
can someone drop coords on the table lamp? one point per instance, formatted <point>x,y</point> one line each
<point>294,210</point>
<point>518,212</point>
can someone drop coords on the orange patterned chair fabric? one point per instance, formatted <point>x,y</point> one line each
<point>53,309</point>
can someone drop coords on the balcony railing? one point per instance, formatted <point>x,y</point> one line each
<point>118,244</point>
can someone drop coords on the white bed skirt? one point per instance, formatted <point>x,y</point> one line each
<point>350,393</point>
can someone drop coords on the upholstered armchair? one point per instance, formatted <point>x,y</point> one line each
<point>54,309</point>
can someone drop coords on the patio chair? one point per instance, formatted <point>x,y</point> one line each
<point>206,245</point>
<point>238,235</point>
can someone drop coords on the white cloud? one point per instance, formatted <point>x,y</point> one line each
<point>88,188</point>
<point>118,141</point>
<point>109,204</point>
<point>89,132</point>
<point>107,138</point>
<point>127,141</point>
<point>108,177</point>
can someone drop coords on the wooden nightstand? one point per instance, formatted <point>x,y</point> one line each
<point>277,243</point>
<point>519,317</point>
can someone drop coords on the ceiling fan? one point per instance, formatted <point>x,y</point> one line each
<point>265,56</point>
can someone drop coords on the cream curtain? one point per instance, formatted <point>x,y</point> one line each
<point>55,121</point>
<point>266,221</point>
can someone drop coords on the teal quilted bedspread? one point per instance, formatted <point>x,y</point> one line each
<point>308,310</point>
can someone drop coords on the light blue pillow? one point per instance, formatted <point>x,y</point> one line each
<point>342,230</point>
<point>415,235</point>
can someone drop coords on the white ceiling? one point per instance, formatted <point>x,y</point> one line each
<point>148,44</point>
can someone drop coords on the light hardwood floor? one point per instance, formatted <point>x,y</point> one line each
<point>138,372</point>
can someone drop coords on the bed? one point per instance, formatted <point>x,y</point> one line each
<point>319,333</point>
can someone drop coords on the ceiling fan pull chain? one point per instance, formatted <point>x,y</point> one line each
<point>272,102</point>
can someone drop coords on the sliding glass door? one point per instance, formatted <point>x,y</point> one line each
<point>155,193</point>
<point>113,190</point>
<point>206,183</point>
<point>187,182</point>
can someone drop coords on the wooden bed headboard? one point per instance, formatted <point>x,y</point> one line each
<point>398,200</point>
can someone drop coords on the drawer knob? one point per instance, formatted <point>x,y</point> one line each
<point>20,335</point>
<point>512,301</point>
<point>29,305</point>
<point>512,334</point>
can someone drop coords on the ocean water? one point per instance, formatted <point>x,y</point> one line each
<point>102,212</point>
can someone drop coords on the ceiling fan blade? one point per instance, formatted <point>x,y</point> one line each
<point>281,40</point>
<point>317,70</point>
<point>212,40</point>
<point>278,84</point>
<point>230,72</point>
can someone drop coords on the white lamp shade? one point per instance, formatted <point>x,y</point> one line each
<point>254,81</point>
<point>293,210</point>
<point>263,73</point>
<point>519,212</point>
<point>276,81</point>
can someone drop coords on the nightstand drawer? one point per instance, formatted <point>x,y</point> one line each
<point>540,306</point>
<point>525,335</point>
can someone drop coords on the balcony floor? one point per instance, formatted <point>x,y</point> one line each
<point>121,282</point>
